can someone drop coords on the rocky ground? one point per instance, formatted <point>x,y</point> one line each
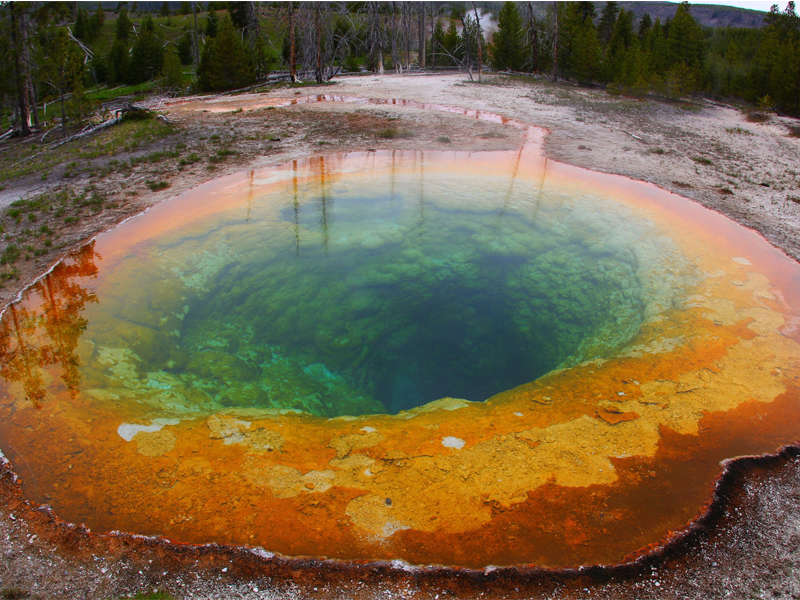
<point>746,166</point>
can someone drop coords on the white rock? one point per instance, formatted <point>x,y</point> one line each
<point>452,442</point>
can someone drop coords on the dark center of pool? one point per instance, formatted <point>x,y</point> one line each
<point>374,303</point>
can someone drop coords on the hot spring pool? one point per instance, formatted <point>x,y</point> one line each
<point>442,357</point>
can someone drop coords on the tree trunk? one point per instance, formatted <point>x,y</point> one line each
<point>479,36</point>
<point>63,115</point>
<point>395,31</point>
<point>22,65</point>
<point>467,62</point>
<point>195,46</point>
<point>421,36</point>
<point>555,41</point>
<point>34,104</point>
<point>253,26</point>
<point>292,52</point>
<point>533,40</point>
<point>376,37</point>
<point>318,30</point>
<point>407,32</point>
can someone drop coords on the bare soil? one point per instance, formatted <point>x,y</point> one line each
<point>702,150</point>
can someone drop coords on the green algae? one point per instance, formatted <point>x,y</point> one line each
<point>346,299</point>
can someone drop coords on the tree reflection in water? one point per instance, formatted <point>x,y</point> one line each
<point>44,331</point>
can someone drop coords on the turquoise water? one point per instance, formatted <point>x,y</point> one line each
<point>368,297</point>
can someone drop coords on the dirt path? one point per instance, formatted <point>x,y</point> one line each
<point>749,171</point>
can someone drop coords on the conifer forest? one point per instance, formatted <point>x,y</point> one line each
<point>60,59</point>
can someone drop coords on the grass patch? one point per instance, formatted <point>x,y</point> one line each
<point>106,94</point>
<point>738,131</point>
<point>150,596</point>
<point>8,275</point>
<point>127,136</point>
<point>702,160</point>
<point>222,154</point>
<point>794,131</point>
<point>189,160</point>
<point>492,134</point>
<point>94,201</point>
<point>156,186</point>
<point>656,151</point>
<point>443,139</point>
<point>391,133</point>
<point>10,255</point>
<point>154,157</point>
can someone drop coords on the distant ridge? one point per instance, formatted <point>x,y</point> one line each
<point>708,15</point>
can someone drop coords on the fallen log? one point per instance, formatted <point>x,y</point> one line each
<point>128,111</point>
<point>88,131</point>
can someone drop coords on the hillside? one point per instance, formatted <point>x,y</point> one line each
<point>708,15</point>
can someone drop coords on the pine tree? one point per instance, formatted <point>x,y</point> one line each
<point>645,24</point>
<point>147,57</point>
<point>172,73</point>
<point>96,22</point>
<point>607,20</point>
<point>212,23</point>
<point>586,52</point>
<point>508,46</point>
<point>63,65</point>
<point>776,69</point>
<point>685,38</point>
<point>81,29</point>
<point>238,14</point>
<point>225,64</point>
<point>684,53</point>
<point>436,45</point>
<point>621,38</point>
<point>185,48</point>
<point>586,11</point>
<point>124,26</point>
<point>452,45</point>
<point>78,105</point>
<point>118,62</point>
